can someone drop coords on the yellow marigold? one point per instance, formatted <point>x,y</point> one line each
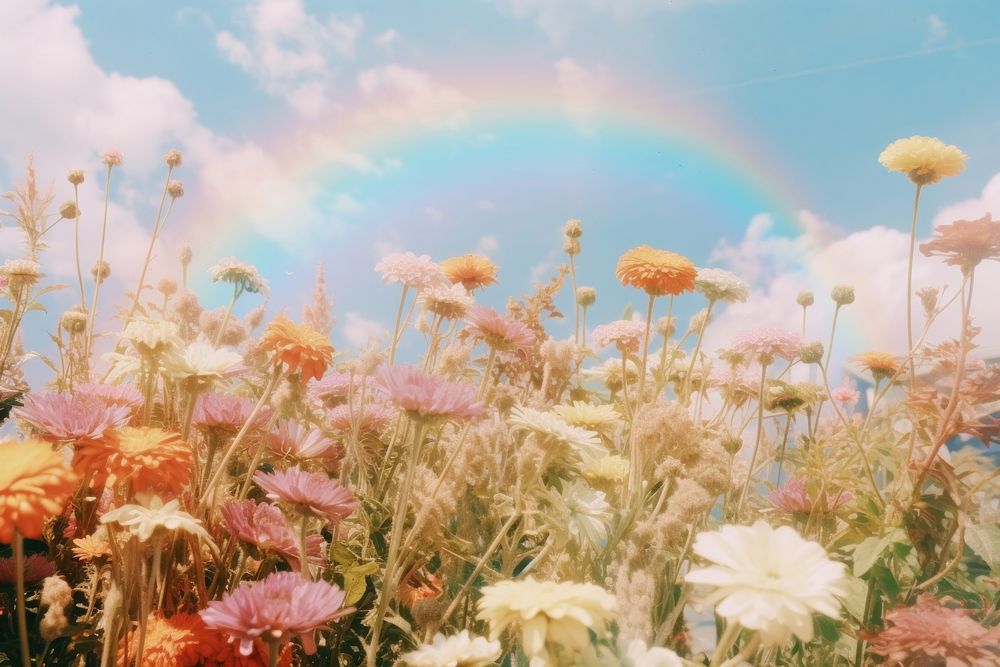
<point>470,270</point>
<point>34,485</point>
<point>924,160</point>
<point>151,458</point>
<point>881,365</point>
<point>91,548</point>
<point>656,271</point>
<point>298,346</point>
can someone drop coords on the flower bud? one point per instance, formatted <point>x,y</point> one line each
<point>175,189</point>
<point>186,254</point>
<point>812,352</point>
<point>573,229</point>
<point>666,326</point>
<point>112,158</point>
<point>101,271</point>
<point>586,296</point>
<point>167,286</point>
<point>842,294</point>
<point>805,299</point>
<point>571,246</point>
<point>75,176</point>
<point>69,210</point>
<point>173,158</point>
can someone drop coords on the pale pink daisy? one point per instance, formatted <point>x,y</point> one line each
<point>425,397</point>
<point>298,441</point>
<point>225,413</point>
<point>36,568</point>
<point>371,417</point>
<point>626,335</point>
<point>312,493</point>
<point>71,417</point>
<point>266,527</point>
<point>417,272</point>
<point>113,394</point>
<point>332,389</point>
<point>276,610</point>
<point>766,343</point>
<point>846,396</point>
<point>793,497</point>
<point>499,331</point>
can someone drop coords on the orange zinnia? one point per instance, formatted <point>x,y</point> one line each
<point>298,346</point>
<point>656,271</point>
<point>34,485</point>
<point>881,365</point>
<point>151,458</point>
<point>471,270</point>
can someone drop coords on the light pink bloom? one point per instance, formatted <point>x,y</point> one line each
<point>333,389</point>
<point>36,568</point>
<point>266,527</point>
<point>501,332</point>
<point>626,335</point>
<point>225,412</point>
<point>71,417</point>
<point>848,396</point>
<point>766,343</point>
<point>371,417</point>
<point>113,394</point>
<point>112,157</point>
<point>310,492</point>
<point>277,609</point>
<point>425,396</point>
<point>410,270</point>
<point>793,497</point>
<point>293,439</point>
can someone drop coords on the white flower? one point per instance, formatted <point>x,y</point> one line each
<point>640,655</point>
<point>417,272</point>
<point>768,579</point>
<point>143,522</point>
<point>585,514</point>
<point>151,335</point>
<point>720,285</point>
<point>203,362</point>
<point>555,430</point>
<point>461,650</point>
<point>602,418</point>
<point>451,302</point>
<point>293,439</point>
<point>240,274</point>
<point>548,614</point>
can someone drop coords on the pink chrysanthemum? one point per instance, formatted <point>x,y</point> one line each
<point>500,332</point>
<point>371,417</point>
<point>308,492</point>
<point>276,609</point>
<point>767,343</point>
<point>793,497</point>
<point>36,568</point>
<point>929,633</point>
<point>626,335</point>
<point>225,413</point>
<point>266,527</point>
<point>113,394</point>
<point>332,389</point>
<point>293,439</point>
<point>112,157</point>
<point>71,417</point>
<point>424,397</point>
<point>410,270</point>
<point>847,396</point>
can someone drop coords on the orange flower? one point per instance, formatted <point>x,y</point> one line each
<point>298,346</point>
<point>658,272</point>
<point>966,243</point>
<point>151,458</point>
<point>34,485</point>
<point>881,365</point>
<point>91,548</point>
<point>417,587</point>
<point>471,270</point>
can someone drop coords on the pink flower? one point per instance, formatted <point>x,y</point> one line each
<point>766,343</point>
<point>929,633</point>
<point>425,396</point>
<point>499,331</point>
<point>309,492</point>
<point>848,396</point>
<point>71,417</point>
<point>225,412</point>
<point>112,157</point>
<point>332,389</point>
<point>371,417</point>
<point>113,394</point>
<point>276,609</point>
<point>266,527</point>
<point>793,497</point>
<point>410,270</point>
<point>627,335</point>
<point>36,568</point>
<point>293,439</point>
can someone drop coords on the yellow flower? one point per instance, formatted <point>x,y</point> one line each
<point>472,271</point>
<point>924,160</point>
<point>600,418</point>
<point>34,485</point>
<point>298,346</point>
<point>881,365</point>
<point>656,271</point>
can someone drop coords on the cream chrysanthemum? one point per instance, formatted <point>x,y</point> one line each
<point>241,275</point>
<point>924,160</point>
<point>641,655</point>
<point>461,650</point>
<point>600,418</point>
<point>721,285</point>
<point>585,513</point>
<point>555,431</point>
<point>611,468</point>
<point>769,580</point>
<point>151,335</point>
<point>451,302</point>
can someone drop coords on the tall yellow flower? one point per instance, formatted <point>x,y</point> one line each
<point>656,271</point>
<point>924,160</point>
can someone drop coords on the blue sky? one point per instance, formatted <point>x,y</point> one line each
<point>341,130</point>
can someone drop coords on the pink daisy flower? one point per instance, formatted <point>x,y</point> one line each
<point>36,568</point>
<point>626,335</point>
<point>71,417</point>
<point>266,527</point>
<point>308,492</point>
<point>423,396</point>
<point>500,332</point>
<point>276,609</point>
<point>113,394</point>
<point>766,343</point>
<point>293,439</point>
<point>372,417</point>
<point>225,413</point>
<point>410,270</point>
<point>331,390</point>
<point>846,396</point>
<point>793,497</point>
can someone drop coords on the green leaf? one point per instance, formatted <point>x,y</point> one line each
<point>886,580</point>
<point>985,542</point>
<point>869,551</point>
<point>854,601</point>
<point>826,628</point>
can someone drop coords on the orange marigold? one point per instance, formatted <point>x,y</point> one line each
<point>471,270</point>
<point>881,365</point>
<point>965,243</point>
<point>656,271</point>
<point>151,458</point>
<point>34,485</point>
<point>298,346</point>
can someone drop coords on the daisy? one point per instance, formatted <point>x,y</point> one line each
<point>500,332</point>
<point>428,397</point>
<point>241,275</point>
<point>461,650</point>
<point>554,431</point>
<point>471,271</point>
<point>450,302</point>
<point>293,439</point>
<point>658,272</point>
<point>264,526</point>
<point>144,522</point>
<point>71,417</point>
<point>298,347</point>
<point>312,493</point>
<point>603,418</point>
<point>204,364</point>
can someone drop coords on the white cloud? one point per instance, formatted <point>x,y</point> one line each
<point>290,52</point>
<point>414,95</point>
<point>558,18</point>
<point>358,331</point>
<point>937,29</point>
<point>581,89</point>
<point>386,38</point>
<point>487,245</point>
<point>970,209</point>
